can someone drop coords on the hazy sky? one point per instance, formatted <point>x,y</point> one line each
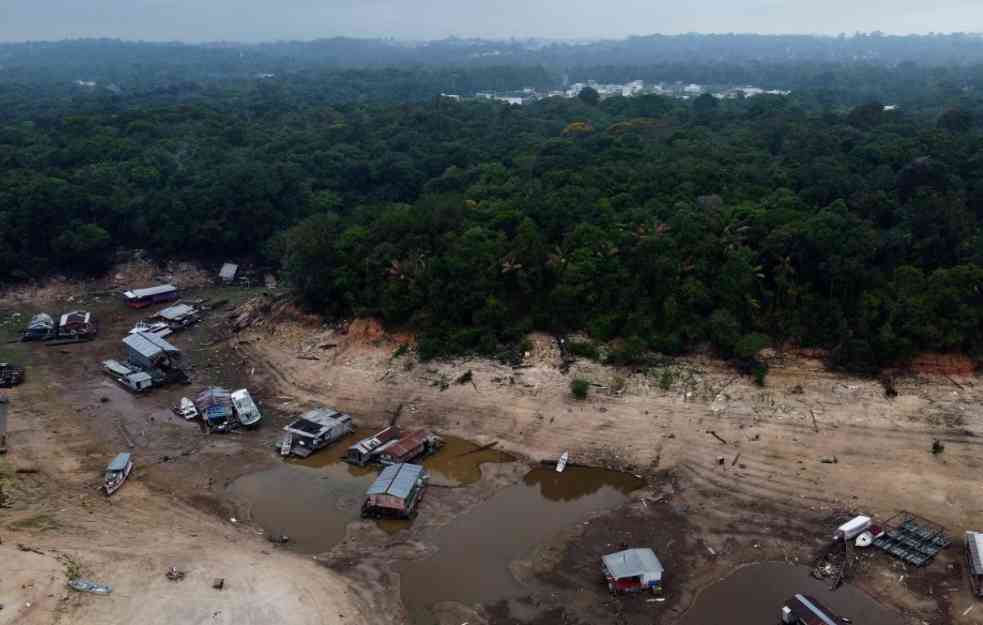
<point>252,20</point>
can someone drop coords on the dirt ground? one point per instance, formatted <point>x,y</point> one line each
<point>66,422</point>
<point>747,463</point>
<point>734,472</point>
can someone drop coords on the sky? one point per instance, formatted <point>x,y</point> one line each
<point>265,20</point>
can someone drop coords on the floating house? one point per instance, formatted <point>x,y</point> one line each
<point>632,570</point>
<point>396,492</point>
<point>313,430</point>
<point>76,324</point>
<point>215,407</point>
<point>804,610</point>
<point>410,446</point>
<point>141,298</point>
<point>368,449</point>
<point>974,558</point>
<point>150,351</point>
<point>179,316</point>
<point>41,327</point>
<point>129,376</point>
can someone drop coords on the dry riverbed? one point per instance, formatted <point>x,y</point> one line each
<point>520,544</point>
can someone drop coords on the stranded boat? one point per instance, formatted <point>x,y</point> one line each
<point>117,472</point>
<point>561,464</point>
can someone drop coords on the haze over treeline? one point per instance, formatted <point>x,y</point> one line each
<point>256,20</point>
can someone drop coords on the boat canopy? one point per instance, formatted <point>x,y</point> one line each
<point>119,463</point>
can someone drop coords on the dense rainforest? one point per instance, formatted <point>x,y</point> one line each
<point>668,224</point>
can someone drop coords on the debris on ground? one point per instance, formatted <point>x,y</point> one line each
<point>829,460</point>
<point>175,575</point>
<point>937,447</point>
<point>278,539</point>
<point>84,585</point>
<point>218,583</point>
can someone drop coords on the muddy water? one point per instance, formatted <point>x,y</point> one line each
<point>755,595</point>
<point>312,500</point>
<point>474,551</point>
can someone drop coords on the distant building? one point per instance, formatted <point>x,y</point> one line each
<point>228,272</point>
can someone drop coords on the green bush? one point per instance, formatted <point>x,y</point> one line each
<point>579,388</point>
<point>583,349</point>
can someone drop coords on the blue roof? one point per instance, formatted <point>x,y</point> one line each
<point>397,480</point>
<point>119,462</point>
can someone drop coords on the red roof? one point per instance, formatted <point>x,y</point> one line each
<point>408,443</point>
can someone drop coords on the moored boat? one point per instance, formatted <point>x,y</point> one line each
<point>117,472</point>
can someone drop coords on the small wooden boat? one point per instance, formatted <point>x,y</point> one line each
<point>561,464</point>
<point>117,472</point>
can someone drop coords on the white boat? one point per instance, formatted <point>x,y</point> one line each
<point>117,472</point>
<point>186,409</point>
<point>246,409</point>
<point>561,464</point>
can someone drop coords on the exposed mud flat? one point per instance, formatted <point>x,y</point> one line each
<point>755,594</point>
<point>473,561</point>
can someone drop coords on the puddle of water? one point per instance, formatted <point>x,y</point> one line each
<point>459,462</point>
<point>472,564</point>
<point>755,594</point>
<point>312,500</point>
<point>312,506</point>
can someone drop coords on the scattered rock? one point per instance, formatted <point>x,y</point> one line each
<point>829,460</point>
<point>218,583</point>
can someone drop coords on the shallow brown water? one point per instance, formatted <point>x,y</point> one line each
<point>475,551</point>
<point>312,500</point>
<point>755,594</point>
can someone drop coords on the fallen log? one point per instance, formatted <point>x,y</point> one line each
<point>717,436</point>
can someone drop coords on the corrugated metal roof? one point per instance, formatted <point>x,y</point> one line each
<point>407,443</point>
<point>150,291</point>
<point>633,563</point>
<point>119,462</point>
<point>148,345</point>
<point>974,540</point>
<point>397,480</point>
<point>173,313</point>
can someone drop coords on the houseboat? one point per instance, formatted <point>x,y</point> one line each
<point>313,430</point>
<point>116,473</point>
<point>396,492</point>
<point>411,446</point>
<point>805,610</point>
<point>41,328</point>
<point>77,324</point>
<point>141,298</point>
<point>368,449</point>
<point>974,558</point>
<point>216,409</point>
<point>632,570</point>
